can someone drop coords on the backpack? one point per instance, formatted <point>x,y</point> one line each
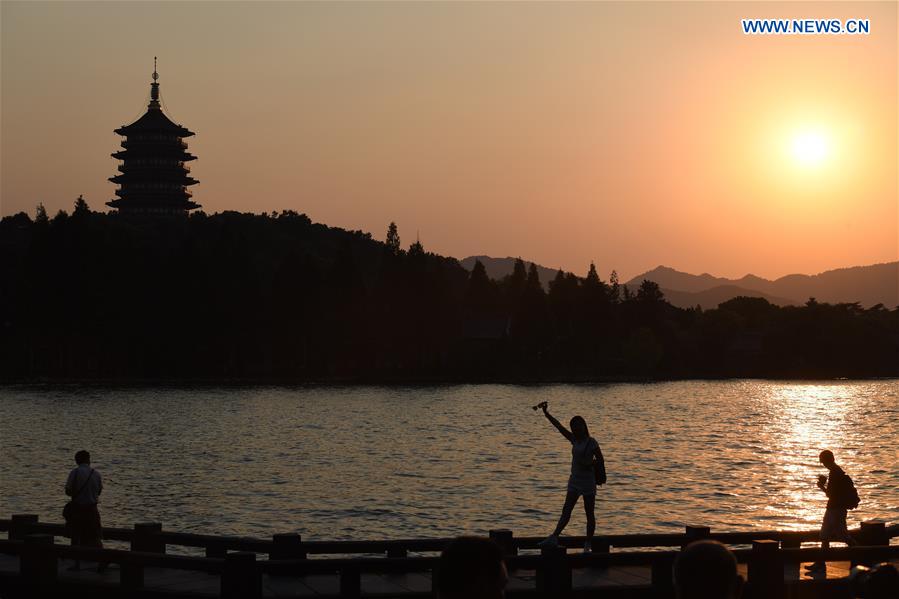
<point>848,495</point>
<point>599,467</point>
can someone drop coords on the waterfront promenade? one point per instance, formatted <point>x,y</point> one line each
<point>161,563</point>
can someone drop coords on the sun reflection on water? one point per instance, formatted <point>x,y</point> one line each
<point>806,419</point>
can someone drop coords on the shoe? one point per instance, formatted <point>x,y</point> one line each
<point>588,547</point>
<point>817,567</point>
<point>550,541</point>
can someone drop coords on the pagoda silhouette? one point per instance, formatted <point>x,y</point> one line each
<point>154,177</point>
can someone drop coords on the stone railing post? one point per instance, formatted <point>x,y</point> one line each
<point>240,578</point>
<point>350,582</point>
<point>505,539</point>
<point>765,571</point>
<point>20,526</point>
<point>662,575</point>
<point>554,572</point>
<point>695,533</point>
<point>287,546</point>
<point>147,537</point>
<point>38,565</point>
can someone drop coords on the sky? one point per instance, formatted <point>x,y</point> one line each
<point>630,134</point>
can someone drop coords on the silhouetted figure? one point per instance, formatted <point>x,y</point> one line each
<point>471,568</point>
<point>584,452</point>
<point>707,570</point>
<point>879,582</point>
<point>84,486</point>
<point>841,496</point>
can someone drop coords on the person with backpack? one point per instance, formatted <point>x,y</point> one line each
<point>84,486</point>
<point>841,497</point>
<point>587,471</point>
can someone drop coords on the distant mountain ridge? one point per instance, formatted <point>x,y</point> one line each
<point>867,285</point>
<point>497,268</point>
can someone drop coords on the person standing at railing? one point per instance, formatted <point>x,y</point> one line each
<point>587,471</point>
<point>84,486</point>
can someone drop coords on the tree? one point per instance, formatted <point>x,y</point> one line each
<point>592,277</point>
<point>532,285</point>
<point>480,296</point>
<point>81,207</point>
<point>478,278</point>
<point>40,215</point>
<point>519,272</point>
<point>515,282</point>
<point>649,292</point>
<point>614,288</point>
<point>393,239</point>
<point>416,249</point>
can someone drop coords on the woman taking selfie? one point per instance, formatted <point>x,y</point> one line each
<point>586,466</point>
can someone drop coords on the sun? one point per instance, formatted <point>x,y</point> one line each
<point>810,148</point>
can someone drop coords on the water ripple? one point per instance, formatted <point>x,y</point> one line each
<point>389,462</point>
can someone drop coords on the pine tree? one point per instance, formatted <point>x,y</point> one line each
<point>40,215</point>
<point>533,282</point>
<point>416,249</point>
<point>649,292</point>
<point>614,287</point>
<point>393,239</point>
<point>480,296</point>
<point>81,207</point>
<point>592,277</point>
<point>557,284</point>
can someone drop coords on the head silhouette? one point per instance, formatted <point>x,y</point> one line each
<point>879,582</point>
<point>83,457</point>
<point>471,568</point>
<point>707,570</point>
<point>826,458</point>
<point>579,427</point>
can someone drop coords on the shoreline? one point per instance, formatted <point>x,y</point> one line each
<point>418,382</point>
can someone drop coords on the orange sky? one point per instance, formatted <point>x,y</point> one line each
<point>628,133</point>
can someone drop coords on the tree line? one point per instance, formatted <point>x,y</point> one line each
<point>275,297</point>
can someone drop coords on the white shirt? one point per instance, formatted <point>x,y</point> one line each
<point>88,494</point>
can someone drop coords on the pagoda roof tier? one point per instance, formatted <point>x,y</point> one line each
<point>162,153</point>
<point>130,154</point>
<point>131,178</point>
<point>155,196</point>
<point>154,121</point>
<point>180,195</point>
<point>151,205</point>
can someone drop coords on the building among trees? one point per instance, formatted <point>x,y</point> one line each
<point>154,176</point>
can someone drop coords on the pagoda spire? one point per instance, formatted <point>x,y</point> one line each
<point>154,89</point>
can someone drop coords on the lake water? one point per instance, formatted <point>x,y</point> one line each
<point>379,462</point>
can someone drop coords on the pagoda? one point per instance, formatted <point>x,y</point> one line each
<point>154,177</point>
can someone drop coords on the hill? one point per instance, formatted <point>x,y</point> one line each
<point>712,298</point>
<point>868,285</point>
<point>498,268</point>
<point>255,298</point>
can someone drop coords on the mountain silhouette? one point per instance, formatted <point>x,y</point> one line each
<point>711,298</point>
<point>868,285</point>
<point>498,268</point>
